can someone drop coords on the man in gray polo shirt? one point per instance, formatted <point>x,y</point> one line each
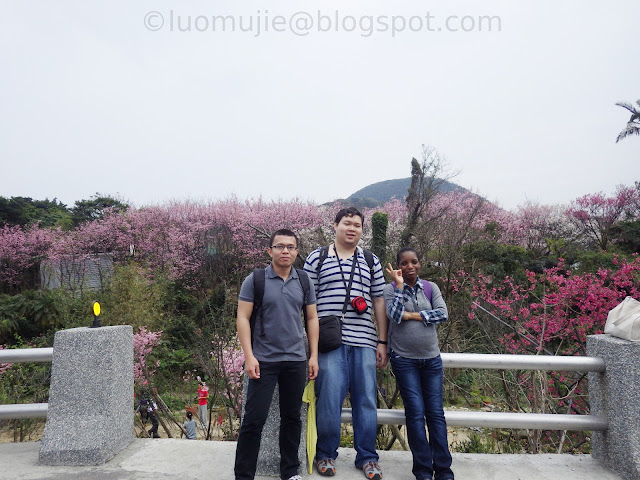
<point>277,355</point>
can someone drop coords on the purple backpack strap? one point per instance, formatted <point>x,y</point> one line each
<point>428,290</point>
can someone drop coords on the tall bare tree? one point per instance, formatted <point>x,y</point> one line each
<point>427,177</point>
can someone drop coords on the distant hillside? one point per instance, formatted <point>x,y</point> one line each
<point>376,194</point>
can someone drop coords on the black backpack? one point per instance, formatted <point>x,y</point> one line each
<point>258,294</point>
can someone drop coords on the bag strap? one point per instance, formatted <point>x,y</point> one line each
<point>258,295</point>
<point>324,252</point>
<point>368,256</point>
<point>428,290</point>
<point>353,271</point>
<point>303,277</point>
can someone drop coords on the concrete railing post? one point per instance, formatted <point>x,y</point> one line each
<point>615,394</point>
<point>90,416</point>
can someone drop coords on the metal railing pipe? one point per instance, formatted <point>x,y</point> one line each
<point>523,362</point>
<point>17,355</point>
<point>531,421</point>
<point>24,410</point>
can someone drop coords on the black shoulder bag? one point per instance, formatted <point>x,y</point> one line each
<point>331,326</point>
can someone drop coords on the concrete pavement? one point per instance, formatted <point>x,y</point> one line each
<point>147,459</point>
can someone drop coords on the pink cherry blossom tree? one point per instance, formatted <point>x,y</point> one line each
<point>143,344</point>
<point>21,249</point>
<point>594,214</point>
<point>551,313</point>
<point>540,225</point>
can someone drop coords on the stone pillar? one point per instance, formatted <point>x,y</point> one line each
<point>269,456</point>
<point>90,416</point>
<point>615,394</point>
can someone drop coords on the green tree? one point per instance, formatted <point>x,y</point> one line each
<point>30,314</point>
<point>132,299</point>
<point>26,211</point>
<point>379,224</point>
<point>95,208</point>
<point>626,236</point>
<point>633,125</point>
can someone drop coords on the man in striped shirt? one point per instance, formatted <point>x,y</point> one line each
<point>352,367</point>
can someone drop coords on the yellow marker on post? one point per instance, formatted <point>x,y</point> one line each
<point>96,315</point>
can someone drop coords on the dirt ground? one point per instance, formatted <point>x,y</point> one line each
<point>31,431</point>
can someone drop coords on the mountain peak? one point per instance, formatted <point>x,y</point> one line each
<point>378,193</point>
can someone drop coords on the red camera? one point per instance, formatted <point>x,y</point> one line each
<point>359,304</point>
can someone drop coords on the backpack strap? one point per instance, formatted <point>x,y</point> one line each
<point>428,290</point>
<point>304,283</point>
<point>368,256</point>
<point>324,252</point>
<point>258,294</point>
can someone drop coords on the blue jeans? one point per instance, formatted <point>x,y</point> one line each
<point>420,384</point>
<point>351,369</point>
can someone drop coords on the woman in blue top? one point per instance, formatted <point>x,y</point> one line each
<point>414,307</point>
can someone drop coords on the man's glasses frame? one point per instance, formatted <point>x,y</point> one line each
<point>280,248</point>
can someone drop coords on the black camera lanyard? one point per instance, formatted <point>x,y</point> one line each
<point>353,271</point>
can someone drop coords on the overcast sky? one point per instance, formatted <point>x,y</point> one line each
<point>153,101</point>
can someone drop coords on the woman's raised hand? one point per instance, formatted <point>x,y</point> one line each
<point>396,275</point>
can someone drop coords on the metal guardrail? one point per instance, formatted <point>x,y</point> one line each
<point>24,410</point>
<point>536,421</point>
<point>396,417</point>
<point>523,362</point>
<point>18,355</point>
<point>532,421</point>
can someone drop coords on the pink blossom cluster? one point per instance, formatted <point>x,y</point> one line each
<point>177,239</point>
<point>231,366</point>
<point>552,313</point>
<point>594,214</point>
<point>143,343</point>
<point>21,248</point>
<point>558,308</point>
<point>537,224</point>
<point>174,239</point>
<point>474,211</point>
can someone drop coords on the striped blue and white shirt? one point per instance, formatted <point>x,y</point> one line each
<point>357,330</point>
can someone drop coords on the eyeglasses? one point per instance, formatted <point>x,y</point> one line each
<point>280,248</point>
